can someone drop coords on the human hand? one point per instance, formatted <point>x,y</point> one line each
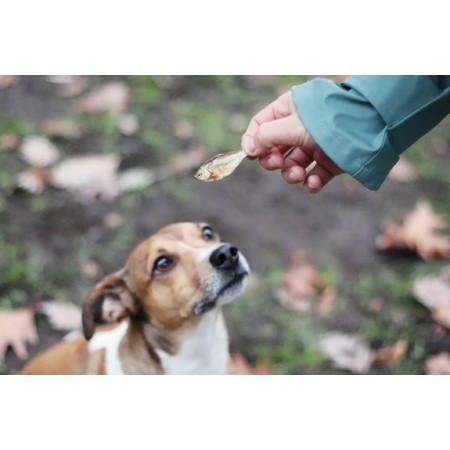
<point>276,129</point>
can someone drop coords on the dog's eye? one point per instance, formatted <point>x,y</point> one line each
<point>207,234</point>
<point>162,265</point>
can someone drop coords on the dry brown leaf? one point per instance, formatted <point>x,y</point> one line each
<point>303,287</point>
<point>240,366</point>
<point>89,177</point>
<point>112,97</point>
<point>186,161</point>
<point>62,316</point>
<point>347,352</point>
<point>33,180</point>
<point>419,233</point>
<point>62,128</point>
<point>9,141</point>
<point>433,291</point>
<point>438,364</point>
<point>392,354</point>
<point>8,80</point>
<point>38,151</point>
<point>403,171</point>
<point>17,328</point>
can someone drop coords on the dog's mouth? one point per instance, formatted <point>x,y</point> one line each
<point>207,304</point>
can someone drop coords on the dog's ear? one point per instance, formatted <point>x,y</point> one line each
<point>109,301</point>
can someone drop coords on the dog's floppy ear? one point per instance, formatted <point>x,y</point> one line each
<point>109,301</point>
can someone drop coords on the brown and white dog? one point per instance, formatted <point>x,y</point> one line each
<point>162,310</point>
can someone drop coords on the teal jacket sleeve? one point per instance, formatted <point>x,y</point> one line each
<point>364,123</point>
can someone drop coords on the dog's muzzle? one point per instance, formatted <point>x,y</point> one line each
<point>231,271</point>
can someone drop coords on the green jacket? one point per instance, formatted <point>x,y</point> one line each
<point>364,123</point>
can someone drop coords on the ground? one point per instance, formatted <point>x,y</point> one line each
<point>47,239</point>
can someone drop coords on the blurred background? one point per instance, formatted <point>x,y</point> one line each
<point>345,281</point>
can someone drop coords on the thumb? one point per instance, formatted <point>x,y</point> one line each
<point>287,131</point>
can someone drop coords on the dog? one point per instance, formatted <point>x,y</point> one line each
<point>159,314</point>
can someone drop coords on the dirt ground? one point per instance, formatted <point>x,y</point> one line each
<point>50,236</point>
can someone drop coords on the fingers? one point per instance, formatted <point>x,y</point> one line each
<point>294,169</point>
<point>282,132</point>
<point>272,160</point>
<point>282,107</point>
<point>317,179</point>
<point>275,129</point>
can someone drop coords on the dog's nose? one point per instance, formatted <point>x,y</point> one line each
<point>224,257</point>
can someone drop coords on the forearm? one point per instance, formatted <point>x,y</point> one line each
<point>366,122</point>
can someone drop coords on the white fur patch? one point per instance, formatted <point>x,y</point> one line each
<point>205,352</point>
<point>110,341</point>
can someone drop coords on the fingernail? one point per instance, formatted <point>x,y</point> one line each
<point>250,147</point>
<point>271,161</point>
<point>291,175</point>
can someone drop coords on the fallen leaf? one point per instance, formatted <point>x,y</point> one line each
<point>403,171</point>
<point>419,233</point>
<point>303,287</point>
<point>128,124</point>
<point>62,316</point>
<point>112,97</point>
<point>9,141</point>
<point>38,151</point>
<point>88,178</point>
<point>17,328</point>
<point>392,354</point>
<point>33,180</point>
<point>62,128</point>
<point>240,366</point>
<point>433,291</point>
<point>186,161</point>
<point>135,179</point>
<point>8,80</point>
<point>438,364</point>
<point>347,352</point>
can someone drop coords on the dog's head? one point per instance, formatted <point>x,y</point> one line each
<point>171,278</point>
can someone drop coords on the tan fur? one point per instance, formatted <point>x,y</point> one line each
<point>158,309</point>
<point>69,357</point>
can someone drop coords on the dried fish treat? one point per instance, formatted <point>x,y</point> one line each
<point>220,166</point>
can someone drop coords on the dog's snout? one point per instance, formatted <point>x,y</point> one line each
<point>224,257</point>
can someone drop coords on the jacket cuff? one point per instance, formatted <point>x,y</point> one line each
<point>347,128</point>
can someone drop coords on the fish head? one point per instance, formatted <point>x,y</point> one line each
<point>202,174</point>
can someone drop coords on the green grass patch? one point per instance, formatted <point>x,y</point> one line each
<point>20,126</point>
<point>145,90</point>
